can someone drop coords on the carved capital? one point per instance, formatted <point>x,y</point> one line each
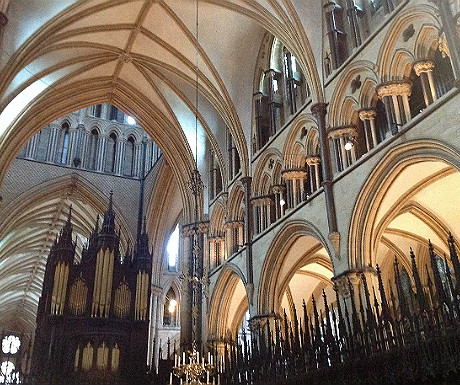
<point>294,174</point>
<point>343,131</point>
<point>367,114</point>
<point>313,160</point>
<point>319,108</point>
<point>402,87</point>
<point>426,65</point>
<point>279,189</point>
<point>233,224</point>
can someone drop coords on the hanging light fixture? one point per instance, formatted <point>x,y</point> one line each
<point>188,367</point>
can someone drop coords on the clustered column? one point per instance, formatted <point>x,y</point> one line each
<point>262,212</point>
<point>53,142</point>
<point>234,235</point>
<point>424,69</point>
<point>279,198</point>
<point>216,251</point>
<point>367,116</point>
<point>314,164</point>
<point>395,97</point>
<point>343,139</point>
<point>295,186</point>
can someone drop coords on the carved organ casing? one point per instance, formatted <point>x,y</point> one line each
<point>92,320</point>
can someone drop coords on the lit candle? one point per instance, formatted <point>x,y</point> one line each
<point>183,357</point>
<point>207,377</point>
<point>175,359</point>
<point>170,378</point>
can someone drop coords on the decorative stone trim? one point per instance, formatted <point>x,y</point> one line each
<point>399,87</point>
<point>337,132</point>
<point>313,160</point>
<point>367,114</point>
<point>294,174</point>
<point>426,65</point>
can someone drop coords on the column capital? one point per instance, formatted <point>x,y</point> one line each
<point>246,180</point>
<point>425,65</point>
<point>367,114</point>
<point>394,88</point>
<point>233,224</point>
<point>279,188</point>
<point>319,109</point>
<point>191,229</point>
<point>341,131</point>
<point>262,200</point>
<point>313,160</point>
<point>294,174</point>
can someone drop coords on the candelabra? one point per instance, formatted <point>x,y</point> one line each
<point>191,371</point>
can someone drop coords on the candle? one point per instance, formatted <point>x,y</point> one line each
<point>207,377</point>
<point>170,378</point>
<point>175,359</point>
<point>183,357</point>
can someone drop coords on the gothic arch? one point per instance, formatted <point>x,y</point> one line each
<point>268,164</point>
<point>294,146</point>
<point>62,100</point>
<point>228,297</point>
<point>372,214</point>
<point>296,245</point>
<point>410,19</point>
<point>362,68</point>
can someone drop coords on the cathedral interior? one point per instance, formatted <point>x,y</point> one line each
<point>266,189</point>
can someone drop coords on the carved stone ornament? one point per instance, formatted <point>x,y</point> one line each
<point>342,131</point>
<point>294,174</point>
<point>408,32</point>
<point>443,47</point>
<point>313,160</point>
<point>367,114</point>
<point>426,65</point>
<point>356,84</point>
<point>402,87</point>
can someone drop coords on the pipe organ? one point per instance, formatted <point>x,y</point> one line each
<point>93,316</point>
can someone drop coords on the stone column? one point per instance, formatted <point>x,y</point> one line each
<point>121,145</point>
<point>297,178</point>
<point>32,147</point>
<point>279,193</point>
<point>353,20</point>
<point>389,93</point>
<point>102,143</point>
<point>424,69</point>
<point>72,146</point>
<point>53,141</point>
<point>449,27</point>
<point>368,118</point>
<point>247,183</point>
<point>319,110</point>
<point>153,350</point>
<point>342,135</point>
<point>314,163</point>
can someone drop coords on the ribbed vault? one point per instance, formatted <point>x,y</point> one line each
<point>150,46</point>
